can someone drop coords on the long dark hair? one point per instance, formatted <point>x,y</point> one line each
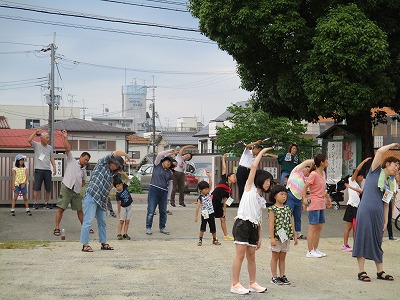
<point>17,163</point>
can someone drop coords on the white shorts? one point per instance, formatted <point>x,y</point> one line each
<point>281,247</point>
<point>125,213</point>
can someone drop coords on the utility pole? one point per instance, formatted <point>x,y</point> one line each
<point>83,109</point>
<point>71,101</point>
<point>52,96</point>
<point>153,101</point>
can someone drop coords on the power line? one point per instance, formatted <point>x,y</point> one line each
<point>104,29</point>
<point>14,43</point>
<point>145,5</point>
<point>65,13</point>
<point>5,82</point>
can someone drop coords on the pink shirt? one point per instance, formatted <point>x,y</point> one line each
<point>317,191</point>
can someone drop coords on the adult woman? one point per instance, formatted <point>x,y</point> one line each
<point>316,183</point>
<point>288,161</point>
<point>372,214</point>
<point>219,195</point>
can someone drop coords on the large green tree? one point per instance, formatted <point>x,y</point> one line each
<point>309,58</point>
<point>249,125</point>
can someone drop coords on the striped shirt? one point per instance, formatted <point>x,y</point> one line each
<point>296,183</point>
<point>100,181</point>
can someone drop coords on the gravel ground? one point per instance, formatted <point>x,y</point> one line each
<point>173,267</point>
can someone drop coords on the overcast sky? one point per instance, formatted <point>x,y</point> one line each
<point>192,78</point>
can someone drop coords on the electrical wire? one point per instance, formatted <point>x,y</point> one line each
<point>145,5</point>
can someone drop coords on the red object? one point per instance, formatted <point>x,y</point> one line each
<point>18,138</point>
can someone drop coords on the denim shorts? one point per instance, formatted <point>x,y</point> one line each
<point>19,190</point>
<point>316,217</point>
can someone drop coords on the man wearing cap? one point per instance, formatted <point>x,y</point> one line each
<point>74,179</point>
<point>43,162</point>
<point>246,160</point>
<point>94,201</point>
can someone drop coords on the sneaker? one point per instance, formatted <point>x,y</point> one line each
<point>228,238</point>
<point>35,206</point>
<point>313,254</point>
<point>182,205</point>
<point>119,237</point>
<point>173,205</point>
<point>347,248</point>
<point>200,243</point>
<point>12,213</point>
<point>112,214</point>
<point>169,213</point>
<point>216,242</point>
<point>164,230</point>
<point>148,231</point>
<point>126,236</point>
<point>320,253</point>
<point>276,280</point>
<point>284,280</point>
<point>239,289</point>
<point>256,288</point>
<point>49,206</point>
<point>28,213</point>
<point>392,238</point>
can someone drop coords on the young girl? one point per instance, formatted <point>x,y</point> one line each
<point>281,228</point>
<point>19,183</point>
<point>247,227</point>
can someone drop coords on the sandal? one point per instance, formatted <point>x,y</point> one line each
<point>302,237</point>
<point>56,232</point>
<point>386,277</point>
<point>87,248</point>
<point>105,246</point>
<point>362,276</point>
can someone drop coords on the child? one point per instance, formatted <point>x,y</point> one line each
<point>247,227</point>
<point>207,212</point>
<point>281,228</point>
<point>124,200</point>
<point>354,189</point>
<point>19,183</point>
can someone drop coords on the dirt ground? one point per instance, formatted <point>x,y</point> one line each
<point>173,267</point>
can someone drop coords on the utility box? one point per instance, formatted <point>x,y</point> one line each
<point>343,150</point>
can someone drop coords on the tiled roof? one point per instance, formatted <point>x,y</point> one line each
<point>18,138</point>
<point>4,123</point>
<point>177,138</point>
<point>80,125</point>
<point>135,139</point>
<point>203,132</point>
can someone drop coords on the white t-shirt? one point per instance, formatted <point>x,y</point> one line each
<point>354,197</point>
<point>181,164</point>
<point>250,207</point>
<point>247,158</point>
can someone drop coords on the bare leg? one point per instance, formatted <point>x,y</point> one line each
<point>80,215</point>
<point>282,258</point>
<point>126,226</point>
<point>48,197</point>
<point>317,235</point>
<point>14,201</point>
<point>59,216</point>
<point>35,196</point>
<point>26,201</point>
<point>237,263</point>
<point>223,226</point>
<point>274,263</point>
<point>251,263</point>
<point>120,224</point>
<point>349,226</point>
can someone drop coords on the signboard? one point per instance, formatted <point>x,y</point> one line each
<point>335,159</point>
<point>59,167</point>
<point>273,171</point>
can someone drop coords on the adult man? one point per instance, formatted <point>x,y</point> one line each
<point>94,201</point>
<point>179,175</point>
<point>73,181</point>
<point>43,161</point>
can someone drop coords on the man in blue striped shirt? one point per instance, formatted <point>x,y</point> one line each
<point>94,201</point>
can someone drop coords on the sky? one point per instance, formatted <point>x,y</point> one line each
<point>191,78</point>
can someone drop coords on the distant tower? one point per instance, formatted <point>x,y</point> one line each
<point>134,104</point>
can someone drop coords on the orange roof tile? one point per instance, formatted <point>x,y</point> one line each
<point>135,139</point>
<point>18,138</point>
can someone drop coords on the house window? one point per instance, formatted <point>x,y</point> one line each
<point>97,145</point>
<point>32,123</point>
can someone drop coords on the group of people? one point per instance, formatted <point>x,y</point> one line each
<point>303,189</point>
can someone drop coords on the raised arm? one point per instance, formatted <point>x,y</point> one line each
<point>161,155</point>
<point>378,155</point>
<point>254,166</point>
<point>126,181</point>
<point>67,146</point>
<point>30,138</point>
<point>248,146</point>
<point>304,164</point>
<point>182,150</point>
<point>355,174</point>
<point>223,171</point>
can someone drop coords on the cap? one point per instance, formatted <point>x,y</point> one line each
<point>118,160</point>
<point>20,156</point>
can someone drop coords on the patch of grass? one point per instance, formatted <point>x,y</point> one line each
<point>23,244</point>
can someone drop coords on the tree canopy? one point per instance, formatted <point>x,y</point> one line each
<point>251,125</point>
<point>305,59</point>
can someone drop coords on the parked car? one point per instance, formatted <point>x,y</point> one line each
<point>146,171</point>
<point>201,174</point>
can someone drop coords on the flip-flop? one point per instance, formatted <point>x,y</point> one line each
<point>57,232</point>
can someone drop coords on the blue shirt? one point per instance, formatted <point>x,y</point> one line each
<point>100,181</point>
<point>124,196</point>
<point>161,176</point>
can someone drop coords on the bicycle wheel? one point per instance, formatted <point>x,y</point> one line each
<point>397,222</point>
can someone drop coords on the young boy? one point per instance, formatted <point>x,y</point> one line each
<point>124,201</point>
<point>207,212</point>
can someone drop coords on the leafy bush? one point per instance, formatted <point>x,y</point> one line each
<point>134,187</point>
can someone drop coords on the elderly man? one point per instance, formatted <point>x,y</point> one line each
<point>74,179</point>
<point>43,162</point>
<point>94,201</point>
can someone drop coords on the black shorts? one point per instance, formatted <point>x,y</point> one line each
<point>211,223</point>
<point>40,176</point>
<point>245,232</point>
<point>350,213</point>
